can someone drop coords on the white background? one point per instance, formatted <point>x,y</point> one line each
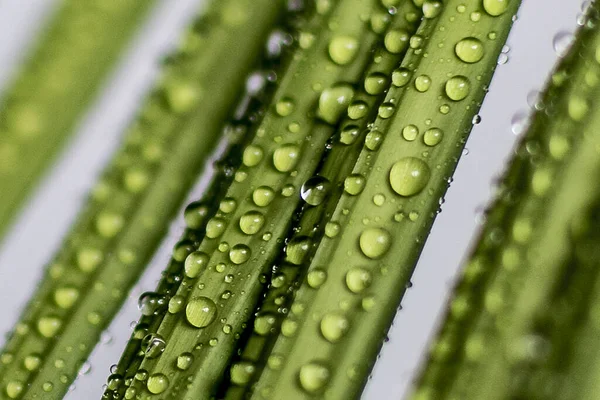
<point>38,231</point>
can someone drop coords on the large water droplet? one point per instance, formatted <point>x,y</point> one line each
<point>239,254</point>
<point>315,190</point>
<point>286,157</point>
<point>195,263</point>
<point>157,383</point>
<point>49,326</point>
<point>469,50</point>
<point>313,377</point>
<point>201,311</point>
<point>252,156</point>
<point>333,102</point>
<point>458,87</point>
<point>409,176</point>
<point>241,372</point>
<point>562,42</point>
<point>396,41</point>
<point>358,279</point>
<point>495,7</point>
<point>334,326</point>
<point>66,296</point>
<point>375,242</point>
<point>263,196</point>
<point>251,222</point>
<point>343,49</point>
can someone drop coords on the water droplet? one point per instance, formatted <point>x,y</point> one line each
<point>495,7</point>
<point>409,176</point>
<point>334,326</point>
<point>577,108</point>
<point>297,249</point>
<point>155,345</point>
<point>519,122</point>
<point>422,83</point>
<point>14,389</point>
<point>376,83</point>
<point>562,43</point>
<point>400,77</point>
<point>184,361</point>
<point>195,214</point>
<point>264,324</point>
<point>313,377</point>
<point>396,41</point>
<point>354,184</point>
<point>215,228</point>
<point>332,229</point>
<point>316,277</point>
<point>66,296</point>
<point>410,132</point>
<point>251,222</point>
<point>32,361</point>
<point>375,242</point>
<point>469,50</point>
<point>286,157</point>
<point>150,302</point>
<point>252,156</point>
<point>315,190</point>
<point>284,107</point>
<point>386,110</point>
<point>433,136</point>
<point>343,49</point>
<point>373,140</point>
<point>263,196</point>
<point>458,87</point>
<point>176,304</point>
<point>358,279</point>
<point>431,9</point>
<point>333,102</point>
<point>349,134</point>
<point>357,109</point>
<point>195,263</point>
<point>157,383</point>
<point>239,254</point>
<point>201,311</point>
<point>135,180</point>
<point>49,325</point>
<point>88,259</point>
<point>241,372</point>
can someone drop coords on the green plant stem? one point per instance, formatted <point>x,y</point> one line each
<point>130,208</point>
<point>242,242</point>
<point>53,89</point>
<point>526,299</point>
<point>336,329</point>
<point>309,229</point>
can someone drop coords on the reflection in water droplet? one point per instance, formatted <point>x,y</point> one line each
<point>315,190</point>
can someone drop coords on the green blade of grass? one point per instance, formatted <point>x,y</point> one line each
<point>197,214</point>
<point>335,329</point>
<point>243,240</point>
<point>521,323</point>
<point>129,210</point>
<point>321,194</point>
<point>53,89</point>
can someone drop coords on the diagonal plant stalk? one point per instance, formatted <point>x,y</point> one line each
<point>53,89</point>
<point>196,215</point>
<point>321,194</point>
<point>129,210</point>
<point>340,314</point>
<point>523,320</point>
<point>228,269</point>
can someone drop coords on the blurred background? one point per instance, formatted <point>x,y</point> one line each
<point>539,35</point>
